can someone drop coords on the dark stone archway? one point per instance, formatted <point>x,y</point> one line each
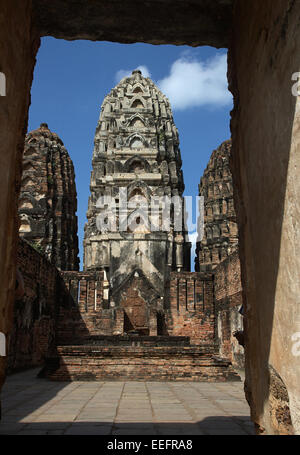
<point>192,22</point>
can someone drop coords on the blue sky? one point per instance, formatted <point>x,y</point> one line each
<point>72,78</point>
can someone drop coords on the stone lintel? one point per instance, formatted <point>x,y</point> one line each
<point>127,236</point>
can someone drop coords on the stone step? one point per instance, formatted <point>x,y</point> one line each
<point>187,363</point>
<point>131,340</point>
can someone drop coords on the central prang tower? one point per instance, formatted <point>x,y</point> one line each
<point>136,156</point>
<point>136,312</point>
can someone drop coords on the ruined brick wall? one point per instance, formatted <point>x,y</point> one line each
<point>192,310</point>
<point>228,298</point>
<point>186,348</point>
<point>34,328</point>
<point>81,311</point>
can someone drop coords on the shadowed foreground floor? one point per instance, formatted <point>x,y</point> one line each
<point>39,407</point>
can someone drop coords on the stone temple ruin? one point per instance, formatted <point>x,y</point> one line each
<point>48,200</point>
<point>263,42</point>
<point>220,237</point>
<point>136,311</point>
<point>136,151</point>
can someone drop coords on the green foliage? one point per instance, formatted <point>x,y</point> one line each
<point>38,247</point>
<point>161,137</point>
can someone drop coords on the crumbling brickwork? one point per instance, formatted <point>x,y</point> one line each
<point>34,330</point>
<point>48,201</point>
<point>178,342</point>
<point>192,309</point>
<point>138,363</point>
<point>220,237</point>
<point>228,299</point>
<point>218,251</point>
<point>190,312</point>
<point>81,310</point>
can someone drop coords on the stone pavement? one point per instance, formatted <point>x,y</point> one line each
<point>35,406</point>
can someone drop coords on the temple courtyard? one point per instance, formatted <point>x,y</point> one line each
<point>34,406</point>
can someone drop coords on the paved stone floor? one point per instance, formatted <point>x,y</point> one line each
<point>35,406</point>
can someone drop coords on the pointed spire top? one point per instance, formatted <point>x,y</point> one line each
<point>136,72</point>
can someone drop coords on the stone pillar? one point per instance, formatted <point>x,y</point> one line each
<point>179,252</point>
<point>153,322</point>
<point>264,54</point>
<point>105,286</point>
<point>119,322</point>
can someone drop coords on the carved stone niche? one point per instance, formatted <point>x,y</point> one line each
<point>139,299</point>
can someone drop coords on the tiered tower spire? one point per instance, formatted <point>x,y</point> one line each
<point>48,199</point>
<point>220,233</point>
<point>136,153</point>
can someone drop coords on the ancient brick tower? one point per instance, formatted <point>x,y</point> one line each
<point>136,311</point>
<point>220,234</point>
<point>136,150</point>
<point>48,203</point>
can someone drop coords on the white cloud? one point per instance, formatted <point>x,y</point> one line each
<point>126,73</point>
<point>194,83</point>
